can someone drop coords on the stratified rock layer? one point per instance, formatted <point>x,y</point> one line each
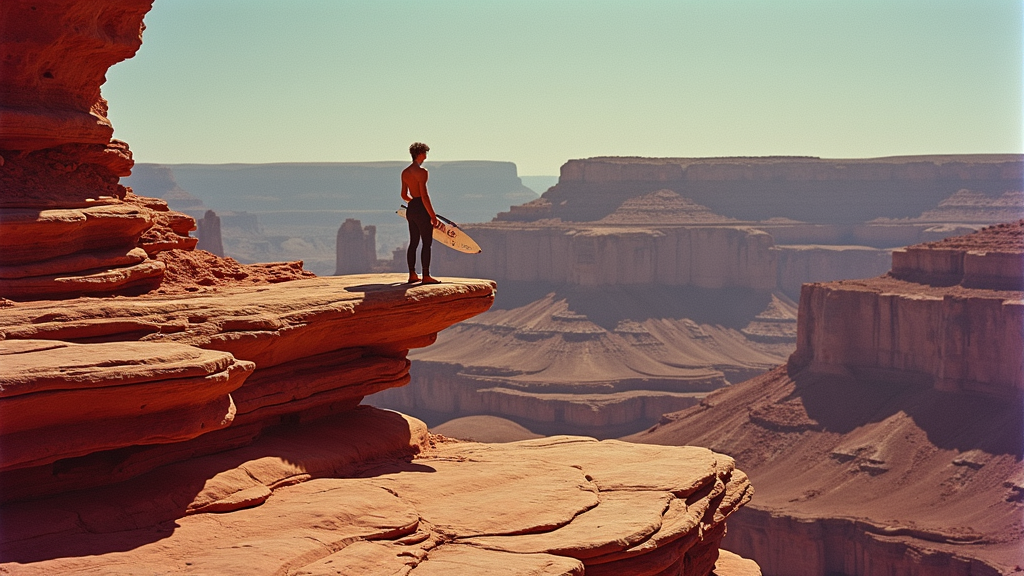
<point>319,346</point>
<point>560,505</point>
<point>963,331</point>
<point>54,56</point>
<point>67,227</point>
<point>60,400</point>
<point>603,255</point>
<point>891,442</point>
<point>807,189</point>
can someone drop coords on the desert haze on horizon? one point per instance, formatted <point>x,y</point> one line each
<point>538,83</point>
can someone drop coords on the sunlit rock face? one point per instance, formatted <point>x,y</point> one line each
<point>68,227</point>
<point>891,441</point>
<point>805,189</point>
<point>54,56</point>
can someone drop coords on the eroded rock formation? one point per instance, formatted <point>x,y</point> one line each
<point>356,248</point>
<point>67,227</point>
<point>553,506</point>
<point>208,233</point>
<point>320,345</point>
<point>892,439</point>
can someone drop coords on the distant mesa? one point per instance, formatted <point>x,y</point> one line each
<point>806,189</point>
<point>972,207</point>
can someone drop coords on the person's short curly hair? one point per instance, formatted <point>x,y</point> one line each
<point>418,148</point>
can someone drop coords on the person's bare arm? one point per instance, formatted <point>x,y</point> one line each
<point>426,200</point>
<point>406,195</point>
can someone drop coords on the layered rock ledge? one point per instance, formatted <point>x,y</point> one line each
<point>124,373</point>
<point>558,506</point>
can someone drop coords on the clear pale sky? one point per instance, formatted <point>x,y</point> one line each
<point>538,82</point>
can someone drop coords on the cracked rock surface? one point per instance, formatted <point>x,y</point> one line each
<point>283,505</point>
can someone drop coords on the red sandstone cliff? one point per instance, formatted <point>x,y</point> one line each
<point>891,441</point>
<point>67,226</point>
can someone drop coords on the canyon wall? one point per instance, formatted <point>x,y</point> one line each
<point>961,331</point>
<point>806,189</point>
<point>601,361</point>
<point>891,441</point>
<point>801,264</point>
<point>702,257</point>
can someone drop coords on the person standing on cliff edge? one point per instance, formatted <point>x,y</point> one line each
<point>420,214</point>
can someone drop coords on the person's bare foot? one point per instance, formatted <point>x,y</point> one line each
<point>413,278</point>
<point>430,280</point>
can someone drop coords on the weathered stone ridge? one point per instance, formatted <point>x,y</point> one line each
<point>61,400</point>
<point>991,258</point>
<point>67,227</point>
<point>349,505</point>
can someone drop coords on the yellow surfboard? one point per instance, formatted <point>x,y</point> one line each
<point>448,233</point>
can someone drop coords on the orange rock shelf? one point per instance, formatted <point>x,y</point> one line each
<point>269,325</point>
<point>345,505</point>
<point>318,346</point>
<point>60,400</point>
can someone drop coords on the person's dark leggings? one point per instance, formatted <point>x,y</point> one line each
<point>419,229</point>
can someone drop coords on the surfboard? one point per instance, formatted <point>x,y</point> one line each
<point>448,233</point>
